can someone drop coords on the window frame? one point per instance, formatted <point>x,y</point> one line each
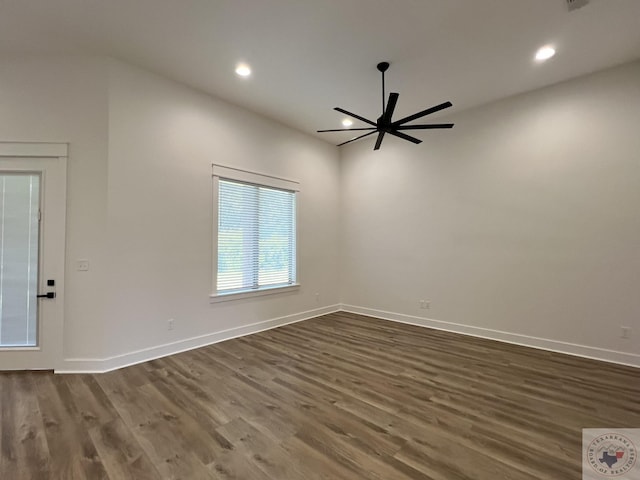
<point>236,174</point>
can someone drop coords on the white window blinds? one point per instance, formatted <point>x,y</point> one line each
<point>256,237</point>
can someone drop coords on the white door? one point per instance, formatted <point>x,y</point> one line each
<point>32,229</point>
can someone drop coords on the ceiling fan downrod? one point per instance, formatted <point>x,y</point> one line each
<point>383,67</point>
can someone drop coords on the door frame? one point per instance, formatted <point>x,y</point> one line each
<point>57,152</point>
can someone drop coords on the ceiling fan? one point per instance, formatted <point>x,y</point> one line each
<point>384,124</point>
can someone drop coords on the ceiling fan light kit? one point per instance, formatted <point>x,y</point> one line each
<point>385,124</point>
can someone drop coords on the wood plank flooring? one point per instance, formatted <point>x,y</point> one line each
<point>338,397</point>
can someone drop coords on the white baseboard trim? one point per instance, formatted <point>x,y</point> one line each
<point>594,353</point>
<point>102,365</point>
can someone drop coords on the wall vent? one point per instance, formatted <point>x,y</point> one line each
<point>576,4</point>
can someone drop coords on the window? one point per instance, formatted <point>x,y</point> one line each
<point>254,233</point>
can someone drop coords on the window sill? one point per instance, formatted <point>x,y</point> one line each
<point>226,297</point>
<point>20,348</point>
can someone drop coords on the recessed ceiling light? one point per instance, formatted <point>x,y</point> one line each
<point>545,53</point>
<point>346,122</point>
<point>243,70</point>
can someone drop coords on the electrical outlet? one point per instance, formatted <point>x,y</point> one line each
<point>170,324</point>
<point>625,332</point>
<point>424,304</point>
<point>317,298</point>
<point>82,265</point>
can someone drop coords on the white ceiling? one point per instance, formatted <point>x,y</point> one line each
<point>309,56</point>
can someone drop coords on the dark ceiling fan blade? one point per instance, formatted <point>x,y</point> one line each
<point>357,138</point>
<point>379,141</point>
<point>406,137</point>
<point>425,127</point>
<point>362,119</point>
<point>423,113</point>
<point>345,129</point>
<point>391,106</point>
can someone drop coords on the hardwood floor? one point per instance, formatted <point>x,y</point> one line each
<point>339,397</point>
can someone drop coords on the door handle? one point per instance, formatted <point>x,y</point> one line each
<point>47,295</point>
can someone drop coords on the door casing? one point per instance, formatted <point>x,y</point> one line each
<point>51,160</point>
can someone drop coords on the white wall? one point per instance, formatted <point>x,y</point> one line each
<point>163,138</point>
<point>523,219</point>
<point>140,205</point>
<point>64,99</point>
